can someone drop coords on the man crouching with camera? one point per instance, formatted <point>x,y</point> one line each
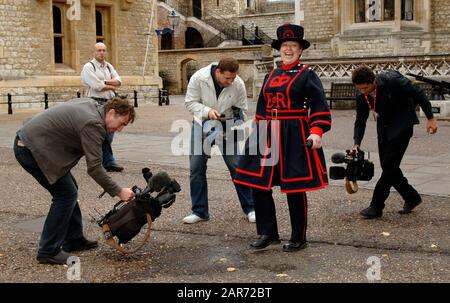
<point>392,98</point>
<point>49,145</point>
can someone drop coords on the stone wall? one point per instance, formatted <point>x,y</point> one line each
<point>329,26</point>
<point>25,39</point>
<point>319,20</point>
<point>268,23</point>
<point>132,28</point>
<point>226,8</point>
<point>276,6</point>
<point>27,67</point>
<point>440,23</point>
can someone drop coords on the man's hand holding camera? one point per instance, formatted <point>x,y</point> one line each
<point>126,194</point>
<point>213,114</point>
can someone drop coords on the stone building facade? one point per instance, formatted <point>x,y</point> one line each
<point>410,35</point>
<point>45,43</point>
<point>341,28</point>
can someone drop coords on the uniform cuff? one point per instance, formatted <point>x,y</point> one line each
<point>316,131</point>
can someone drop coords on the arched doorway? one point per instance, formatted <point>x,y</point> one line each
<point>197,8</point>
<point>193,38</point>
<point>188,68</point>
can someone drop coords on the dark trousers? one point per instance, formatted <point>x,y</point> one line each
<point>108,157</point>
<point>198,182</point>
<point>266,221</point>
<point>63,222</point>
<point>391,155</point>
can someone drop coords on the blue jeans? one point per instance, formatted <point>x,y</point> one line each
<point>198,183</point>
<point>63,222</point>
<point>108,158</point>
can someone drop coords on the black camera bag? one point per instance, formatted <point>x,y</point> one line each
<point>126,220</point>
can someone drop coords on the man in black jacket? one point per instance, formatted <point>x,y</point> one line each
<point>393,99</point>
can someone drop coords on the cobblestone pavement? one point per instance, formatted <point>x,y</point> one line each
<point>412,248</point>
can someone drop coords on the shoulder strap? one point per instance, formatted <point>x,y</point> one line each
<point>114,244</point>
<point>93,65</point>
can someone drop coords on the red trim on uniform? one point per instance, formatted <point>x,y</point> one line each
<point>310,176</point>
<point>259,117</point>
<point>252,185</point>
<point>322,171</point>
<point>261,172</point>
<point>321,121</point>
<point>255,185</point>
<point>290,66</point>
<point>305,211</point>
<point>287,110</point>
<point>288,191</point>
<point>265,85</point>
<point>320,113</point>
<point>250,173</point>
<point>316,131</point>
<point>285,118</point>
<point>288,89</point>
<point>374,100</point>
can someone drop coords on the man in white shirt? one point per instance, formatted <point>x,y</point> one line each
<point>212,93</point>
<point>101,81</point>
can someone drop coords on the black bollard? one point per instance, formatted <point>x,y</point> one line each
<point>135,99</point>
<point>10,112</point>
<point>45,101</point>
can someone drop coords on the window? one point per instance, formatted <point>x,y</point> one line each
<point>166,41</point>
<point>389,10</point>
<point>103,26</point>
<point>408,10</point>
<point>99,26</point>
<point>104,30</point>
<point>63,42</point>
<point>58,35</point>
<point>374,10</point>
<point>360,11</point>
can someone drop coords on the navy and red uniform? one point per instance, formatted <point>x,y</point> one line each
<point>291,106</point>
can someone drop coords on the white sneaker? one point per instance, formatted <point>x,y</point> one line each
<point>251,217</point>
<point>191,219</point>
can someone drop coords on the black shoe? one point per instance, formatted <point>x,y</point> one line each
<point>114,168</point>
<point>294,246</point>
<point>371,213</point>
<point>83,244</point>
<point>408,207</point>
<point>60,258</point>
<point>264,241</point>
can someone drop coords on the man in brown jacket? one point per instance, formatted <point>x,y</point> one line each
<point>49,145</point>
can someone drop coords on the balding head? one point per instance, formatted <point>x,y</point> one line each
<point>100,52</point>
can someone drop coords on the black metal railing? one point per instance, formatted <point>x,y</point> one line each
<point>47,99</point>
<point>230,29</point>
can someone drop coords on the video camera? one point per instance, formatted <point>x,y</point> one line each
<point>358,168</point>
<point>126,219</point>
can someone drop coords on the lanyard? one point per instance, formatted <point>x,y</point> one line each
<point>374,103</point>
